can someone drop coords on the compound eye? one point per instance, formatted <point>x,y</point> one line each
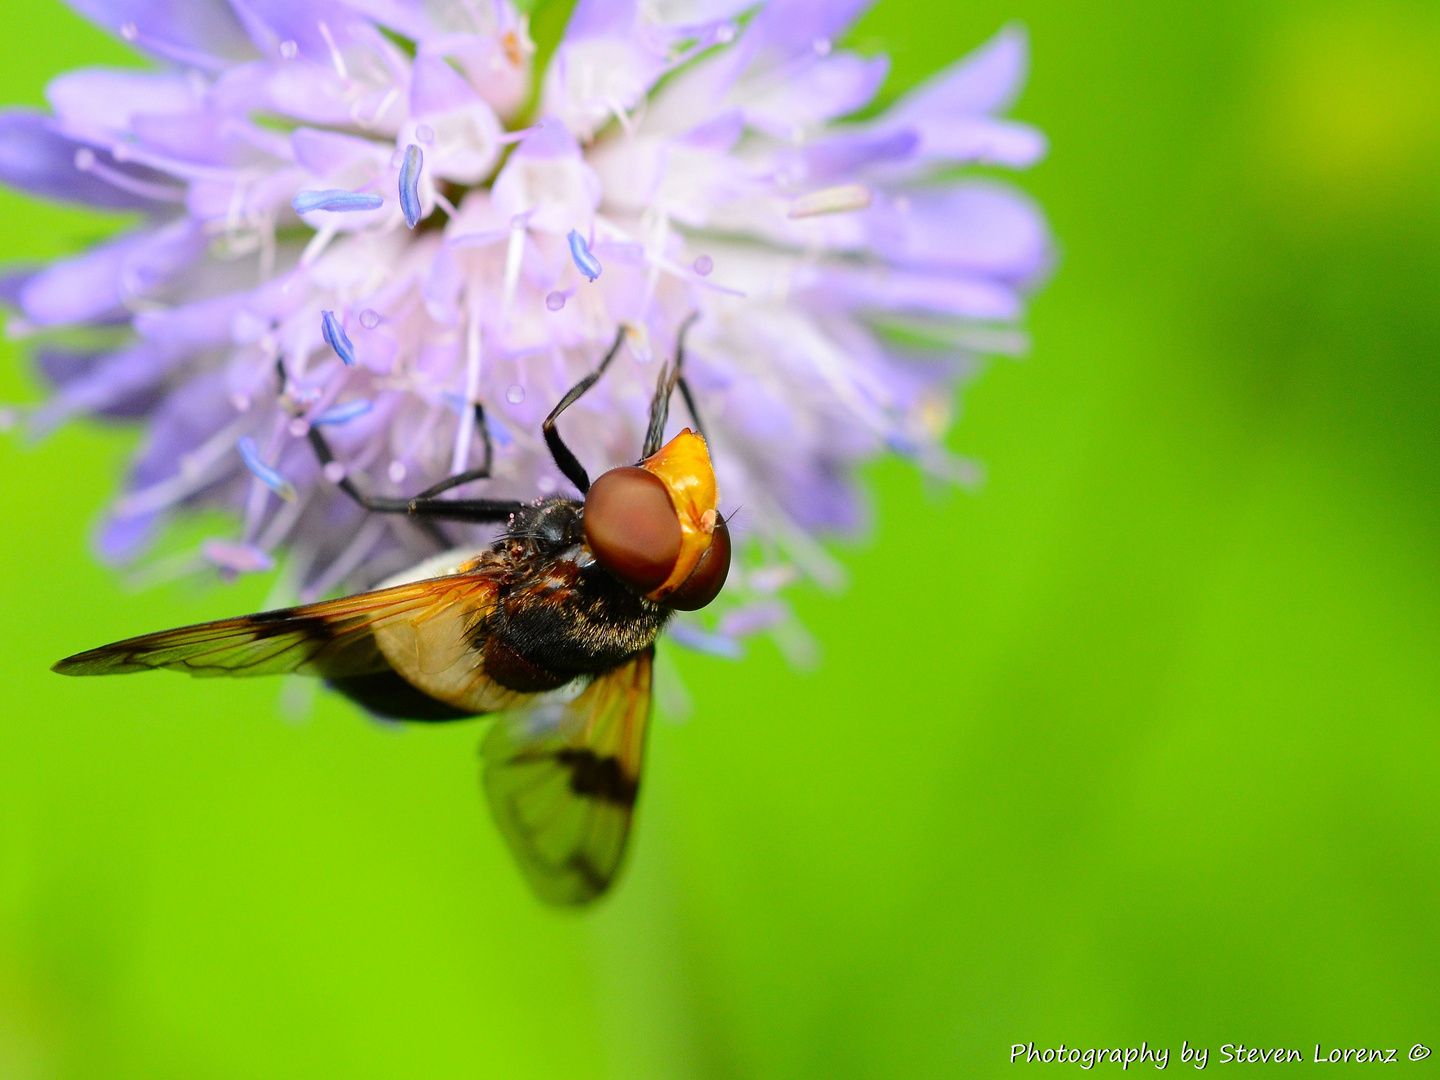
<point>632,527</point>
<point>708,577</point>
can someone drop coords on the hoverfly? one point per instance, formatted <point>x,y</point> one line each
<point>553,626</point>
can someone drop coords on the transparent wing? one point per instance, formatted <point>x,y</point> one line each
<point>562,779</point>
<point>333,639</point>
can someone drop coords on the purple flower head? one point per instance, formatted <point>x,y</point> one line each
<point>843,275</point>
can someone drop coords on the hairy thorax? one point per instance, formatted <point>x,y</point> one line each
<point>558,614</point>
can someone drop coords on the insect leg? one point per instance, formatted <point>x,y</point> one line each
<point>565,460</point>
<point>659,409</point>
<point>664,388</point>
<point>481,473</point>
<point>376,504</point>
<point>690,404</point>
<point>475,511</point>
<point>426,505</point>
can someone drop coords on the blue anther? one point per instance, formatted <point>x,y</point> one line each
<point>238,558</point>
<point>343,413</point>
<point>335,199</point>
<point>410,184</point>
<point>335,336</point>
<point>584,259</point>
<point>902,444</point>
<point>250,454</point>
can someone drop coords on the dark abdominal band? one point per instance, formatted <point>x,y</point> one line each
<point>545,641</point>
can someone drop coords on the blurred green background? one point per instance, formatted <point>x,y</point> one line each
<point>1138,742</point>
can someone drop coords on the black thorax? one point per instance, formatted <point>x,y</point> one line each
<point>559,614</point>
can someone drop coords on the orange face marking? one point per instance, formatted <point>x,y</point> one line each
<point>683,466</point>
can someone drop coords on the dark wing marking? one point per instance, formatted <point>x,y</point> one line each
<point>563,778</point>
<point>385,694</point>
<point>334,639</point>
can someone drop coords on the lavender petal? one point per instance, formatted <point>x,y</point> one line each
<point>822,90</point>
<point>970,228</point>
<point>183,421</point>
<point>845,155</point>
<point>207,324</point>
<point>35,157</point>
<point>271,23</point>
<point>116,381</point>
<point>598,18</point>
<point>997,142</point>
<point>785,28</point>
<point>101,102</point>
<point>172,28</point>
<point>963,296</point>
<point>122,540</point>
<point>310,93</point>
<point>436,87</point>
<point>326,153</point>
<point>102,280</point>
<point>986,81</point>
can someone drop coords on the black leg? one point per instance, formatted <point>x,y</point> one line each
<point>664,388</point>
<point>474,511</point>
<point>659,409</point>
<point>694,412</point>
<point>566,461</point>
<point>481,473</point>
<point>426,505</point>
<point>376,504</point>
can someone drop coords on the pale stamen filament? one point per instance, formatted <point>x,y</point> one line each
<point>335,57</point>
<point>466,433</point>
<point>87,162</point>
